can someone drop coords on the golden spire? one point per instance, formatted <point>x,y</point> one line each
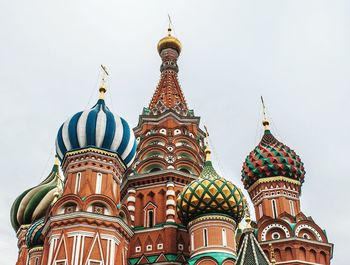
<point>102,88</point>
<point>57,162</point>
<point>59,185</point>
<point>272,255</point>
<point>207,150</point>
<point>169,26</point>
<point>247,218</point>
<point>265,122</point>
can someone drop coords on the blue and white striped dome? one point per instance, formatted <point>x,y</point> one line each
<point>97,127</point>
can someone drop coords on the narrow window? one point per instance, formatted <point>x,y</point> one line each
<point>77,182</point>
<point>224,238</point>
<point>260,210</point>
<point>291,204</point>
<point>274,209</point>
<point>205,235</point>
<point>192,241</point>
<point>150,218</point>
<point>98,183</point>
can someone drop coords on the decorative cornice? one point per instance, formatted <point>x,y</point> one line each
<point>155,119</point>
<point>273,179</point>
<point>92,150</point>
<point>73,215</point>
<point>284,240</point>
<point>161,173</point>
<point>35,249</point>
<point>212,218</point>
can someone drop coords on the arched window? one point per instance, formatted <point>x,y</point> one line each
<point>150,218</point>
<point>224,237</point>
<point>185,170</point>
<point>274,209</point>
<point>205,237</point>
<point>291,204</point>
<point>192,241</point>
<point>302,253</point>
<point>155,169</point>
<point>260,210</point>
<point>98,183</point>
<point>77,182</point>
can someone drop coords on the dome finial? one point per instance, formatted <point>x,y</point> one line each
<point>207,148</point>
<point>102,88</point>
<point>265,122</point>
<point>169,41</point>
<point>57,162</point>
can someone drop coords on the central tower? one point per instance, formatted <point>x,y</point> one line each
<point>170,155</point>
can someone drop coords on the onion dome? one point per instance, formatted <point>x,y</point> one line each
<point>210,194</point>
<point>271,158</point>
<point>99,128</point>
<point>34,236</point>
<point>32,204</point>
<point>169,42</point>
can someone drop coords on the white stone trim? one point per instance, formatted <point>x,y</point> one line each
<point>131,208</point>
<point>131,191</point>
<point>170,202</point>
<point>170,184</point>
<point>170,212</point>
<point>131,199</point>
<point>170,193</point>
<point>267,228</point>
<point>308,227</point>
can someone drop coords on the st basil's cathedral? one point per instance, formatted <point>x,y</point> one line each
<point>151,195</point>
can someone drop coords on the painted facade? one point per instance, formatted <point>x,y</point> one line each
<point>152,196</point>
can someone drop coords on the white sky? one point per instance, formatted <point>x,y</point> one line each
<point>294,53</point>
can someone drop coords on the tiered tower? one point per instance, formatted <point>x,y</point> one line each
<point>169,156</point>
<point>273,175</point>
<point>88,224</point>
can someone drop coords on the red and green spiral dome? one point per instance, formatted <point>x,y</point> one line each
<point>271,158</point>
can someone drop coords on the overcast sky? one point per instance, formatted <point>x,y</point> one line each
<point>294,53</point>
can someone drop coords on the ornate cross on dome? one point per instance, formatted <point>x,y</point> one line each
<point>265,122</point>
<point>207,149</point>
<point>169,26</point>
<point>103,84</point>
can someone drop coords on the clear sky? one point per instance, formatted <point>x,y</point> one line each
<point>294,53</point>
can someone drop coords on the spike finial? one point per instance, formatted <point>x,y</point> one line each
<point>207,148</point>
<point>103,88</point>
<point>272,255</point>
<point>247,217</point>
<point>265,122</point>
<point>169,25</point>
<point>57,162</point>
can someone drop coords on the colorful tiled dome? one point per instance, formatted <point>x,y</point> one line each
<point>97,127</point>
<point>32,204</point>
<point>34,236</point>
<point>271,158</point>
<point>210,194</point>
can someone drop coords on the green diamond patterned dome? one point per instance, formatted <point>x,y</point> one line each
<point>210,194</point>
